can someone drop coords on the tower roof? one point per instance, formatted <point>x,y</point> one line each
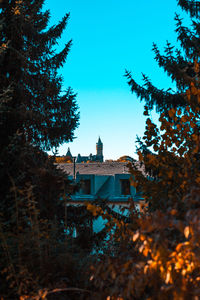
<point>99,141</point>
<point>68,152</point>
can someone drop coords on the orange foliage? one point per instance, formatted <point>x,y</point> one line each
<point>63,159</point>
<point>156,254</point>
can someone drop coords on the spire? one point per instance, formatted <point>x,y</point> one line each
<point>99,141</point>
<point>69,153</point>
<point>99,148</point>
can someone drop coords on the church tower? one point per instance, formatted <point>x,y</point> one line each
<point>69,153</point>
<point>99,148</point>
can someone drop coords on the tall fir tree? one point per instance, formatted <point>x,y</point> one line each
<point>34,110</point>
<point>35,115</point>
<point>33,103</point>
<point>182,65</point>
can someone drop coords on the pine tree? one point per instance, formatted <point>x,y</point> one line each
<point>33,108</point>
<point>178,63</point>
<point>35,115</point>
<point>157,152</point>
<point>32,101</point>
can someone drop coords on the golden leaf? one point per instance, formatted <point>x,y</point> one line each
<point>178,247</point>
<point>146,269</point>
<point>142,237</point>
<point>187,231</point>
<point>173,212</point>
<point>197,180</point>
<point>168,278</point>
<point>135,236</point>
<point>184,272</point>
<point>141,248</point>
<point>179,264</point>
<point>146,251</point>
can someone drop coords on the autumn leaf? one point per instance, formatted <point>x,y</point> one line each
<point>135,236</point>
<point>168,278</point>
<point>187,231</point>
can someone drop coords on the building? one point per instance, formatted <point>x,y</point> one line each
<point>91,158</point>
<point>109,181</point>
<point>106,180</point>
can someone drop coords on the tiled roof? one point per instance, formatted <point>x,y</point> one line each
<point>105,168</point>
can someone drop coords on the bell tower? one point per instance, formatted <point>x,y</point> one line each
<point>99,149</point>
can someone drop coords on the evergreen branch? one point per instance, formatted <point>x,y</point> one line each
<point>163,100</point>
<point>59,59</point>
<point>176,67</point>
<point>190,6</point>
<point>189,42</point>
<point>50,37</point>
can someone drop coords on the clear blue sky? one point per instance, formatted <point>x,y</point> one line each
<point>110,36</point>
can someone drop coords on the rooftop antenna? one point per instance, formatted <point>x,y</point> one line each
<point>74,162</point>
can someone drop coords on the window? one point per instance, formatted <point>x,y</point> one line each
<point>86,187</point>
<point>125,187</point>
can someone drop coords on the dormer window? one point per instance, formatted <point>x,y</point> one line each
<point>125,187</point>
<point>85,187</point>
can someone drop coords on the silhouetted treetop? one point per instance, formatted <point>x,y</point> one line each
<point>35,106</point>
<point>180,64</point>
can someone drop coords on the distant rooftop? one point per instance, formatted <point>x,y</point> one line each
<point>104,168</point>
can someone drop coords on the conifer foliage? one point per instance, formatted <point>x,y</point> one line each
<point>32,100</point>
<point>36,114</point>
<point>170,154</point>
<point>178,63</point>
